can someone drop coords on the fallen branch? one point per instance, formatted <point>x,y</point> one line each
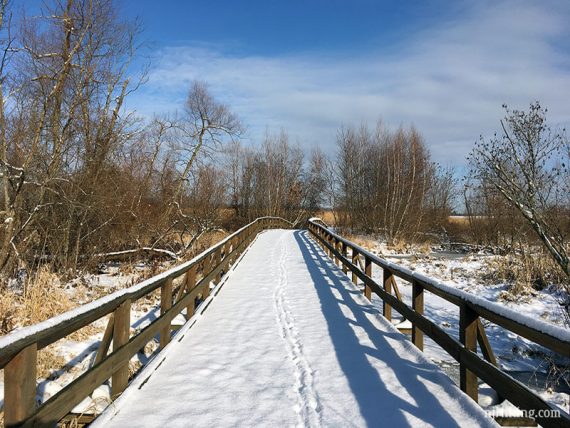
<point>151,252</point>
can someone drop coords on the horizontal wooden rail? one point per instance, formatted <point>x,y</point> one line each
<point>471,309</point>
<point>18,350</point>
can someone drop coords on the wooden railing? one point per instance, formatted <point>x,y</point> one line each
<point>18,351</point>
<point>471,330</point>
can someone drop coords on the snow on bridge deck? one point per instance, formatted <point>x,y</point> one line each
<point>290,341</point>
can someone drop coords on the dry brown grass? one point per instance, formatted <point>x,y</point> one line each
<point>212,238</point>
<point>405,247</point>
<point>134,367</point>
<point>226,214</point>
<point>327,217</point>
<point>8,310</point>
<point>49,361</point>
<point>43,298</point>
<point>399,247</point>
<point>128,269</point>
<point>462,220</point>
<point>361,241</point>
<point>525,272</point>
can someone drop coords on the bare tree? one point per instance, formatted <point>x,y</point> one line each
<point>383,179</point>
<point>440,197</point>
<point>520,165</point>
<point>82,176</point>
<point>316,181</point>
<point>67,83</point>
<point>353,160</point>
<point>206,124</point>
<point>271,179</point>
<point>408,176</point>
<point>12,178</point>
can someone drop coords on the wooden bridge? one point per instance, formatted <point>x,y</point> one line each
<point>280,331</point>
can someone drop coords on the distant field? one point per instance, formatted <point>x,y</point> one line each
<point>464,219</point>
<point>326,216</point>
<point>458,219</point>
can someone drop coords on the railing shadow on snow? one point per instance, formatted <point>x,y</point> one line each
<point>353,357</point>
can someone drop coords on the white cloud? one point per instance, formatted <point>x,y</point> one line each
<point>449,81</point>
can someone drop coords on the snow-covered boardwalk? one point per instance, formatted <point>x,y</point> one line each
<point>289,341</point>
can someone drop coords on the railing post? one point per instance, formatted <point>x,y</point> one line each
<point>345,255</point>
<point>206,267</point>
<point>355,263</point>
<point>336,247</point>
<point>418,306</point>
<point>20,386</point>
<point>333,244</point>
<point>235,244</point>
<point>165,305</point>
<point>190,283</point>
<point>368,272</point>
<point>387,284</point>
<point>218,261</point>
<point>121,333</point>
<point>252,232</point>
<point>468,320</point>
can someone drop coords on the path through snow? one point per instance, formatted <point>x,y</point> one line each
<point>308,407</point>
<point>289,341</point>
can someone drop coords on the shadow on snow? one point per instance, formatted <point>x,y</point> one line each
<point>378,404</point>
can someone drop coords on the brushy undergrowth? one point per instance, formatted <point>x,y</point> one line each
<point>526,271</point>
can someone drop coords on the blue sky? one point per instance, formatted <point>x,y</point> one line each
<point>286,27</point>
<point>311,66</point>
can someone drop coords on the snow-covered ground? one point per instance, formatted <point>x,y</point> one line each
<point>527,362</point>
<point>289,341</point>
